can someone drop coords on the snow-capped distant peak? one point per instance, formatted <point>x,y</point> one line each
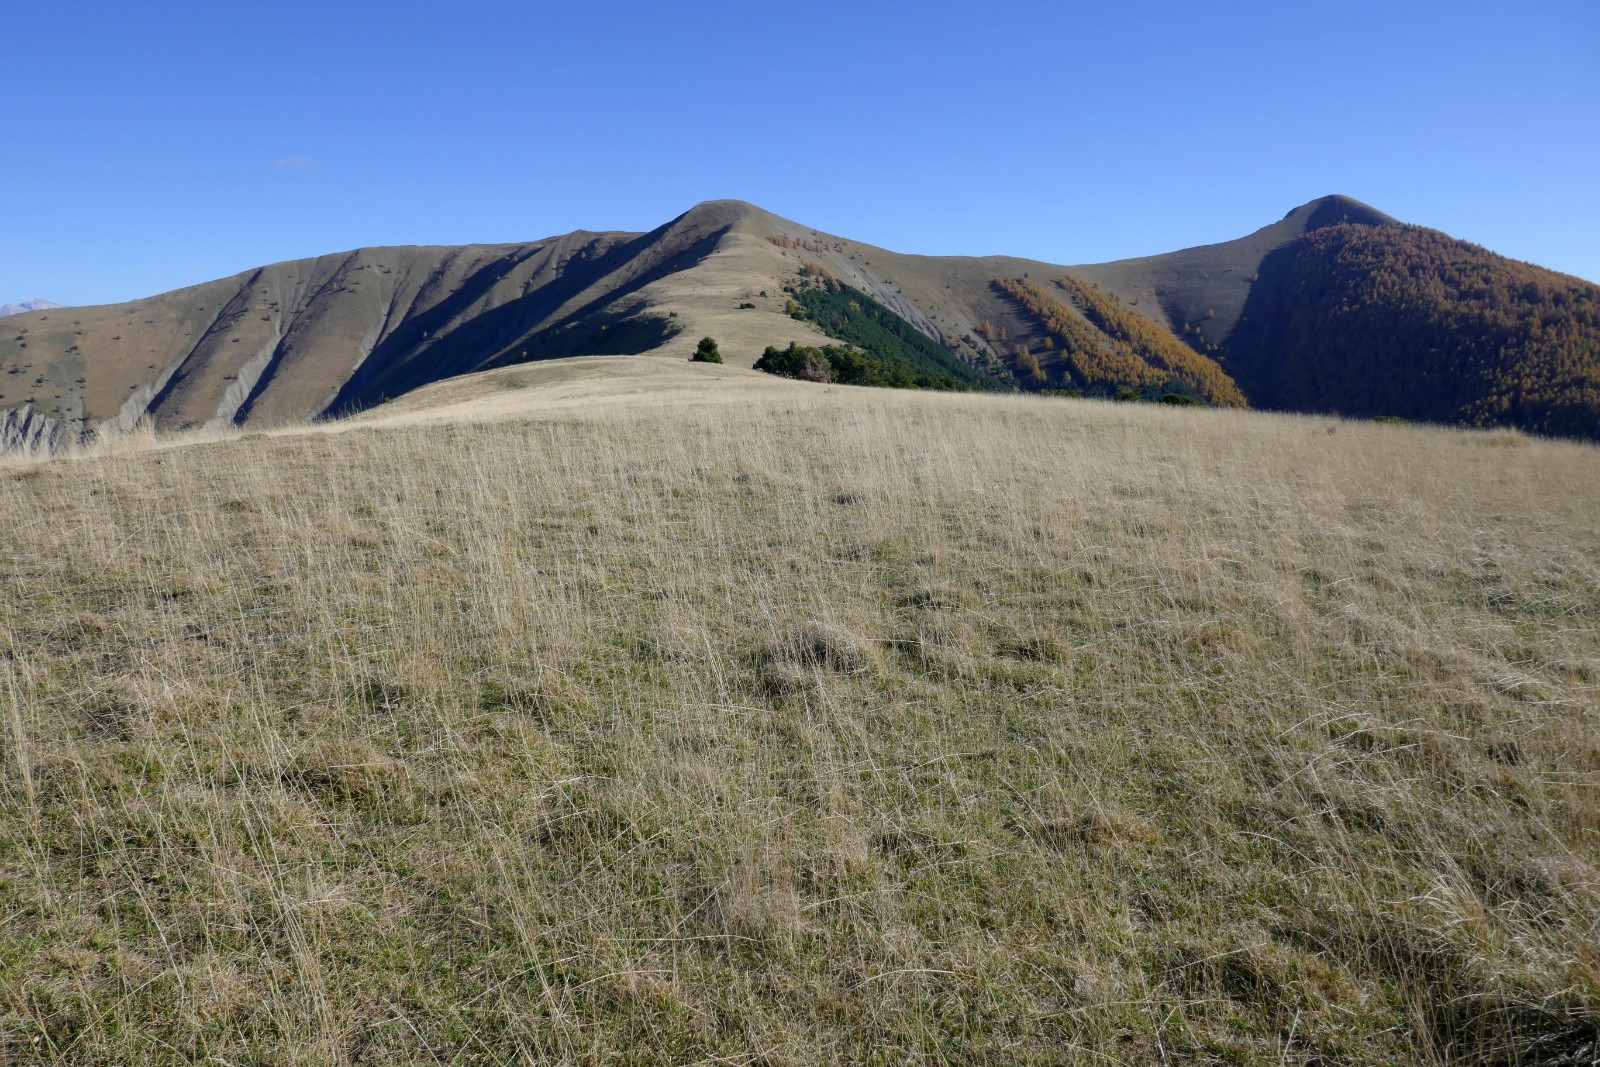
<point>36,304</point>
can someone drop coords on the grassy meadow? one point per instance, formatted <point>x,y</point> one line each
<point>828,726</point>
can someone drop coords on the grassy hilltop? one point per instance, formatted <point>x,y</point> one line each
<point>640,712</point>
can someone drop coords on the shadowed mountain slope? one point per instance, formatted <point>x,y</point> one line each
<point>1200,292</point>
<point>1407,321</point>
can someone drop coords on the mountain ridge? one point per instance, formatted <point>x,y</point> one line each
<point>328,335</point>
<point>38,303</point>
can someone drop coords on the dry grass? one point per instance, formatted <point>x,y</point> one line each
<point>853,726</point>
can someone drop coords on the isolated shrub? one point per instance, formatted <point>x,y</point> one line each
<point>706,352</point>
<point>1182,400</point>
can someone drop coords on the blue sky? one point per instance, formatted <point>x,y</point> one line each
<point>159,144</point>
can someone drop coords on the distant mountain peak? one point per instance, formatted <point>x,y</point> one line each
<point>36,304</point>
<point>1336,208</point>
<point>725,213</point>
<point>740,207</point>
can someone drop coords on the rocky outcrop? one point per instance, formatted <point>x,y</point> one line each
<point>25,430</point>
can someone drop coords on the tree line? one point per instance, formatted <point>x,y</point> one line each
<point>1101,349</point>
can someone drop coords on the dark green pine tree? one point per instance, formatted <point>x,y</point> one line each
<point>706,352</point>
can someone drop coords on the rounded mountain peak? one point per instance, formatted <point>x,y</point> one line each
<point>1336,208</point>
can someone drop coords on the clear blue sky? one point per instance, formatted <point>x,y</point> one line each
<point>157,144</point>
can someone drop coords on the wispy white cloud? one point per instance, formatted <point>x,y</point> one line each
<point>299,164</point>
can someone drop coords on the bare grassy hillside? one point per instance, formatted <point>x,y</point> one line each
<point>732,720</point>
